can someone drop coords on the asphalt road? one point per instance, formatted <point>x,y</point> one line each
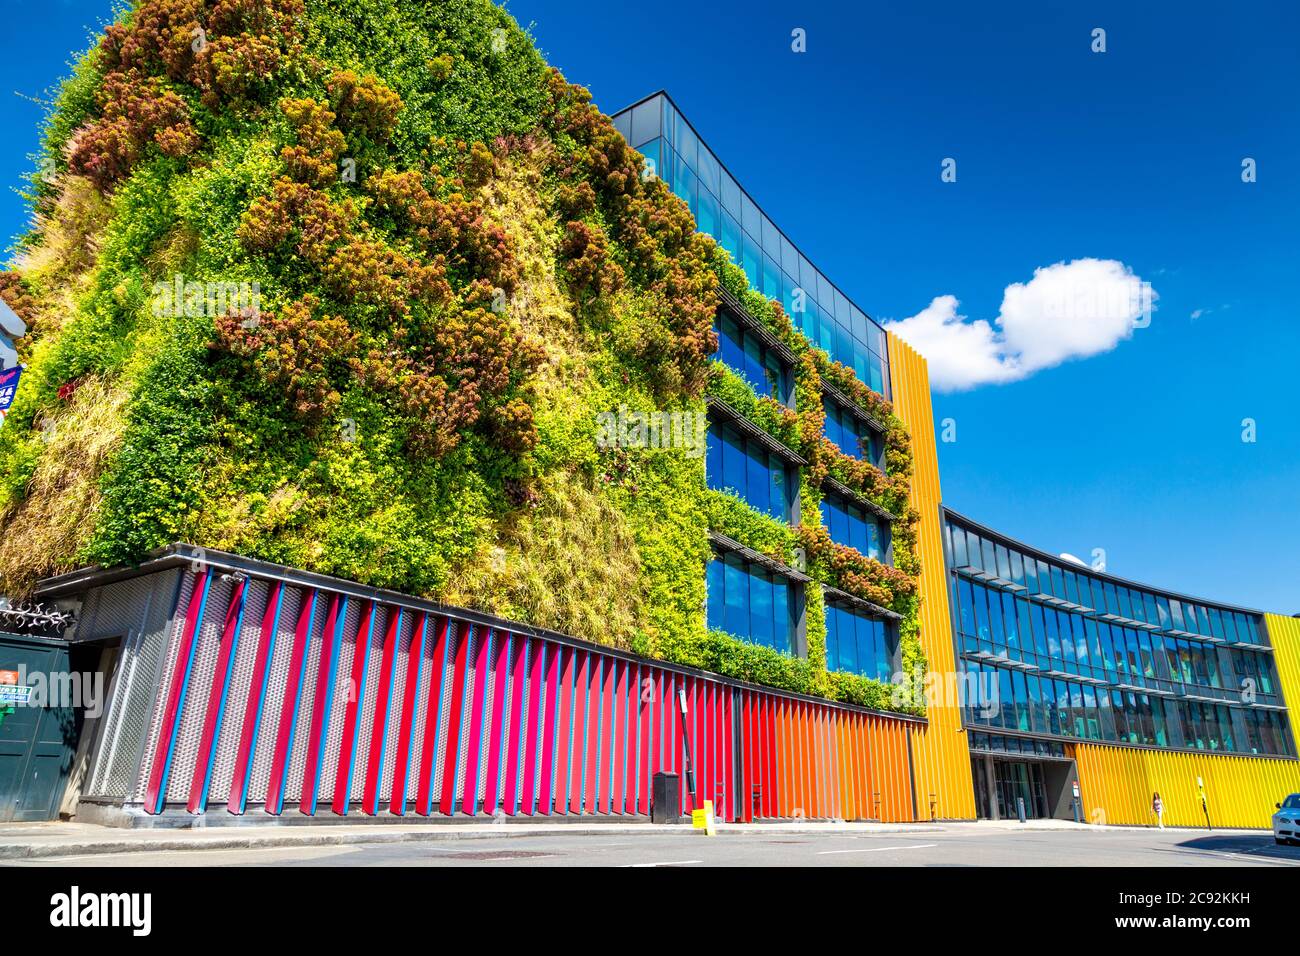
<point>946,846</point>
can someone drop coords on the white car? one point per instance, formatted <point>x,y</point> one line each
<point>1286,822</point>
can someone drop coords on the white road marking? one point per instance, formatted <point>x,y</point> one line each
<point>1255,856</point>
<point>877,849</point>
<point>666,863</point>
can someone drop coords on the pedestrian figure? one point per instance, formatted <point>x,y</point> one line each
<point>1158,808</point>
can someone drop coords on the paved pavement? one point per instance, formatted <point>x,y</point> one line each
<point>957,844</point>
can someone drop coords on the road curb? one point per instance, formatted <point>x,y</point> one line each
<point>35,851</point>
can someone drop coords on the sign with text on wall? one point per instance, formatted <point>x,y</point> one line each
<point>8,389</point>
<point>11,692</point>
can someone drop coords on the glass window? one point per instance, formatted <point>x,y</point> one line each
<point>645,122</point>
<point>852,525</point>
<point>966,605</point>
<point>1121,716</point>
<point>1063,706</point>
<point>856,643</point>
<point>745,468</point>
<point>731,238</point>
<point>959,558</point>
<point>1006,697</point>
<point>996,627</point>
<point>851,435</point>
<point>752,261</point>
<point>1009,625</point>
<point>730,194</point>
<point>1092,722</point>
<point>1107,715</point>
<point>750,602</point>
<point>1021,692</point>
<point>1176,615</point>
<point>744,353</point>
<point>708,215</point>
<point>1037,707</point>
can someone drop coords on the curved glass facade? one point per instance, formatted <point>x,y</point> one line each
<point>1051,648</point>
<point>774,266</point>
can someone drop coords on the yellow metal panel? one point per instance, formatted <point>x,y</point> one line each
<point>1284,635</point>
<point>941,757</point>
<point>1117,783</point>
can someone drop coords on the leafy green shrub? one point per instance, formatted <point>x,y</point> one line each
<point>460,264</point>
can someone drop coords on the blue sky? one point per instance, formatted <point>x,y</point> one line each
<point>1132,155</point>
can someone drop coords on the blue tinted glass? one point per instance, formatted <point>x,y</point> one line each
<point>645,123</point>
<point>731,238</point>
<point>715,587</point>
<point>758,493</point>
<point>779,492</point>
<point>730,195</point>
<point>708,168</point>
<point>735,614</point>
<point>684,183</point>
<point>730,350</point>
<point>832,638</point>
<point>754,372</point>
<point>771,278</point>
<point>811,323</point>
<point>713,460</point>
<point>707,214</point>
<point>884,652</point>
<point>826,333</point>
<point>760,610</point>
<point>966,598</point>
<point>858,531</point>
<point>875,539</point>
<point>851,651</point>
<point>651,152</point>
<point>781,614</point>
<point>753,262</point>
<point>733,461</point>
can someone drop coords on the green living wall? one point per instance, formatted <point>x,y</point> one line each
<point>349,286</point>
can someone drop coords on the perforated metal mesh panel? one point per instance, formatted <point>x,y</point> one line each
<point>116,763</point>
<point>493,641</point>
<point>343,692</point>
<point>519,747</point>
<point>506,690</point>
<point>428,685</point>
<point>273,700</point>
<point>241,677</point>
<point>366,716</point>
<point>298,759</point>
<point>462,717</point>
<point>168,649</point>
<point>443,688</point>
<point>543,651</point>
<point>395,699</point>
<point>206,647</point>
<point>118,610</point>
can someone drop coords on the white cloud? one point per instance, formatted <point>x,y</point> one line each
<point>1066,311</point>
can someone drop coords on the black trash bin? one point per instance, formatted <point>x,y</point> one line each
<point>666,805</point>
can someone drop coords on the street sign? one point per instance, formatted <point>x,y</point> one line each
<point>703,819</point>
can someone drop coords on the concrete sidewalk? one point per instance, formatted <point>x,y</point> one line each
<point>32,841</point>
<point>45,840</point>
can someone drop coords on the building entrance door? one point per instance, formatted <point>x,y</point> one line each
<point>1019,780</point>
<point>37,743</point>
<point>1000,782</point>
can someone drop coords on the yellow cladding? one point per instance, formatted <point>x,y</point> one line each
<point>1117,783</point>
<point>940,755</point>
